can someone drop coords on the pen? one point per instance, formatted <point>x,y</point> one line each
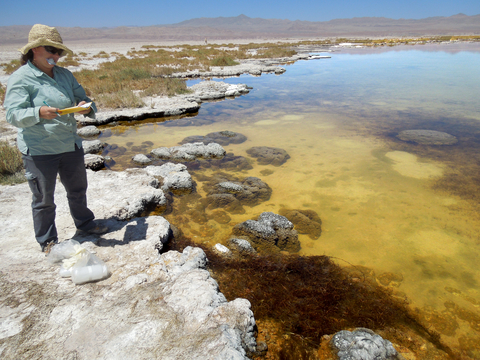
<point>50,107</point>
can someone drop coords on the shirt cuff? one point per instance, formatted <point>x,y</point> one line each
<point>36,113</point>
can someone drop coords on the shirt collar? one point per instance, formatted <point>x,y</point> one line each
<point>36,71</point>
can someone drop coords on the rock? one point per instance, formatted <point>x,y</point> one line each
<point>241,246</point>
<point>131,193</point>
<point>268,155</point>
<point>305,221</point>
<point>222,250</point>
<point>363,344</point>
<point>94,162</point>
<point>223,138</point>
<point>157,107</point>
<point>173,177</point>
<point>427,137</point>
<point>114,150</point>
<point>256,67</point>
<point>232,195</point>
<point>220,217</point>
<point>232,163</point>
<point>211,90</point>
<point>230,187</point>
<point>317,57</point>
<point>270,233</point>
<point>190,152</point>
<point>92,146</point>
<point>227,202</point>
<point>141,159</point>
<point>88,131</point>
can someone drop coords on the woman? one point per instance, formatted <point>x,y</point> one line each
<point>49,142</point>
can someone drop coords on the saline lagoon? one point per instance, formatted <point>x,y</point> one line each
<point>405,213</point>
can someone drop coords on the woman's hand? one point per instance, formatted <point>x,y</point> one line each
<point>84,112</point>
<point>48,113</point>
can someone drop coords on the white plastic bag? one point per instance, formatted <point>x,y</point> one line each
<point>67,264</point>
<point>77,262</point>
<point>62,251</point>
<point>88,268</point>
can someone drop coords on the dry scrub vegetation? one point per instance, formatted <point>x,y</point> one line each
<point>147,72</point>
<point>10,165</point>
<point>123,82</point>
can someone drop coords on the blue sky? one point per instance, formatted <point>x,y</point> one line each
<point>110,13</point>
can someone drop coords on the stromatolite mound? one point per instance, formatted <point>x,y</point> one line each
<point>268,155</point>
<point>270,233</point>
<point>232,195</point>
<point>230,162</point>
<point>92,146</point>
<point>221,137</point>
<point>94,162</point>
<point>190,152</point>
<point>363,344</point>
<point>88,131</point>
<point>427,137</point>
<point>305,221</point>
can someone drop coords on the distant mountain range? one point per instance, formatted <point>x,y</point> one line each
<point>244,27</point>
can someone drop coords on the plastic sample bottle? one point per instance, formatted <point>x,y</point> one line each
<point>86,274</point>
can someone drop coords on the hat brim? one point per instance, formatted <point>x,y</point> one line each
<point>45,42</point>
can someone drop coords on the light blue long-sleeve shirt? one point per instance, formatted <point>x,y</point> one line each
<point>27,89</point>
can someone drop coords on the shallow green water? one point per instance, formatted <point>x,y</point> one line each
<point>407,211</point>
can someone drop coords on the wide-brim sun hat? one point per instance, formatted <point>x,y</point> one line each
<point>43,35</point>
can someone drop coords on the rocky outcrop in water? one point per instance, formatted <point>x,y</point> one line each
<point>230,162</point>
<point>253,68</point>
<point>269,233</point>
<point>268,155</point>
<point>427,137</point>
<point>92,146</point>
<point>240,246</point>
<point>172,177</point>
<point>94,162</point>
<point>363,344</point>
<point>231,196</point>
<point>305,221</point>
<point>88,131</point>
<point>221,137</point>
<point>156,107</point>
<point>141,159</point>
<point>212,90</point>
<point>190,152</point>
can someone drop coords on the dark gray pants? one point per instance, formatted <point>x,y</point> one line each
<point>41,172</point>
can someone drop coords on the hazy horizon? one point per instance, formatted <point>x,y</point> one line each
<point>117,13</point>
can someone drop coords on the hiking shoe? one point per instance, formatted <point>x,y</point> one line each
<point>47,246</point>
<point>98,230</point>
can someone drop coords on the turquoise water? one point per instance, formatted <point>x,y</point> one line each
<point>408,212</point>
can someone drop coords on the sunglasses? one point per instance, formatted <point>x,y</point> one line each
<point>53,50</point>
